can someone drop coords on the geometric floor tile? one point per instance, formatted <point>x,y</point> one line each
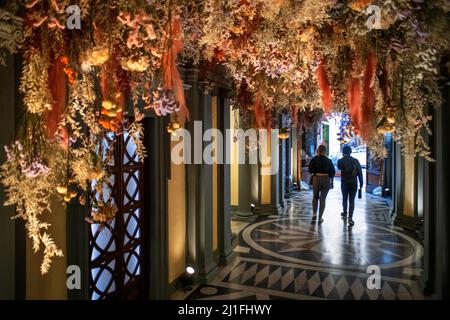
<point>285,256</point>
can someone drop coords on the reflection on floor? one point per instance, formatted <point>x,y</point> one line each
<point>287,257</point>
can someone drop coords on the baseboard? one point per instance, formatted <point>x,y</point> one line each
<point>205,277</point>
<point>227,259</point>
<point>411,225</point>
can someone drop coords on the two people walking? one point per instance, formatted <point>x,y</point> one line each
<point>322,173</point>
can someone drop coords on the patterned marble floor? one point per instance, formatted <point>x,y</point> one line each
<point>285,256</point>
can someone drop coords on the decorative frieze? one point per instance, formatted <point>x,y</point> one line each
<point>207,87</point>
<point>11,36</point>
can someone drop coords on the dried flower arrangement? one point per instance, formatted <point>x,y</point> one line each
<point>309,57</point>
<point>306,54</point>
<point>76,85</point>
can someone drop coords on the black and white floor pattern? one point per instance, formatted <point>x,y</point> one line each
<point>286,256</point>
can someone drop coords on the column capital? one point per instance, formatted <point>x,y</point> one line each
<point>11,36</point>
<point>207,87</point>
<point>190,75</point>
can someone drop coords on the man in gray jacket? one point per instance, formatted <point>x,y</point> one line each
<point>350,172</point>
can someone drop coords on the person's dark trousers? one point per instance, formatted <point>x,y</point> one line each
<point>348,196</point>
<point>321,186</point>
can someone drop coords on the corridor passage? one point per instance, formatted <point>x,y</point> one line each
<point>287,257</point>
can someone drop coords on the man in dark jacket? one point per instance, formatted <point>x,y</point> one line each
<point>350,172</point>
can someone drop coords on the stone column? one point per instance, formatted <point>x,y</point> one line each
<point>7,225</point>
<point>289,164</point>
<point>224,207</point>
<point>156,167</point>
<point>405,218</point>
<point>299,157</point>
<point>275,188</point>
<point>295,157</point>
<point>276,197</point>
<point>251,185</point>
<point>199,182</point>
<point>437,224</point>
<point>282,173</point>
<point>248,183</point>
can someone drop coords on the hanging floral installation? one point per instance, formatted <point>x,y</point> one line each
<point>83,87</point>
<point>334,55</point>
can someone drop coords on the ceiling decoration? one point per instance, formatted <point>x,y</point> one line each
<point>92,68</point>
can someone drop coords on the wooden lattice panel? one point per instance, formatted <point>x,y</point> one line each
<point>116,250</point>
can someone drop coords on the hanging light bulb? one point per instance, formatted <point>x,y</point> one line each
<point>62,190</point>
<point>390,114</point>
<point>70,194</point>
<point>173,125</point>
<point>170,128</point>
<point>284,133</point>
<point>176,125</point>
<point>384,127</point>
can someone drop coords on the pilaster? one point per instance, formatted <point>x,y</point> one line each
<point>224,197</point>
<point>199,182</point>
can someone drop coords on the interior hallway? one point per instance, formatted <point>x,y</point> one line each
<point>286,257</point>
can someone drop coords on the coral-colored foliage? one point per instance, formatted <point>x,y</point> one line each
<point>359,4</point>
<point>368,102</point>
<point>361,99</point>
<point>260,114</point>
<point>112,89</point>
<point>294,116</point>
<point>354,102</point>
<point>58,89</point>
<point>325,88</point>
<point>172,79</point>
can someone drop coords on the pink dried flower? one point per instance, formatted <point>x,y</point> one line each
<point>164,102</point>
<point>34,168</point>
<point>30,169</point>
